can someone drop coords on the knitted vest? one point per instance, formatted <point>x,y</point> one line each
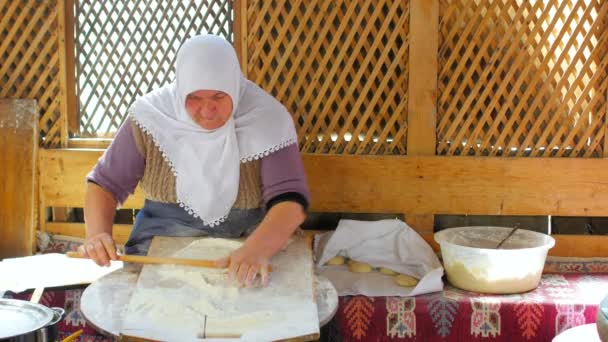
<point>158,182</point>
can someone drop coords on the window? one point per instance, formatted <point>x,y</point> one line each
<point>124,49</point>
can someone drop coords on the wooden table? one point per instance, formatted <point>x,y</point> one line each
<point>103,301</point>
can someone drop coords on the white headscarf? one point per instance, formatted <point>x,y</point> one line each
<point>206,162</point>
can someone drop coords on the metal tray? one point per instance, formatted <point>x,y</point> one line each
<point>20,317</point>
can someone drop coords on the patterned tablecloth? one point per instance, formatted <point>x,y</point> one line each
<point>568,296</point>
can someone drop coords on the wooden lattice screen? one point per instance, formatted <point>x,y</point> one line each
<point>340,67</point>
<point>524,78</point>
<point>124,49</point>
<point>30,61</point>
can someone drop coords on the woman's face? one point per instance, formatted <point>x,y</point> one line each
<point>210,109</point>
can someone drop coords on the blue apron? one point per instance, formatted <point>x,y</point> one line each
<point>169,219</point>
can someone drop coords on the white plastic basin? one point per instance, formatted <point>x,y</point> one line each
<point>473,263</point>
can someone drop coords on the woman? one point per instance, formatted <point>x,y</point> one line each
<point>215,156</point>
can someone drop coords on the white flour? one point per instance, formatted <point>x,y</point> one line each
<point>185,295</point>
<point>184,303</point>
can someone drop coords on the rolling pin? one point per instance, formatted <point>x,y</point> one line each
<point>141,259</point>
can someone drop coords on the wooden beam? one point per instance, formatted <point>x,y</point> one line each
<point>62,32</point>
<point>422,88</point>
<point>35,214</point>
<point>606,121</point>
<point>423,71</point>
<point>239,27</point>
<point>120,232</point>
<point>72,114</point>
<point>581,246</point>
<point>421,223</point>
<point>89,143</point>
<point>458,185</point>
<point>62,178</point>
<point>390,184</point>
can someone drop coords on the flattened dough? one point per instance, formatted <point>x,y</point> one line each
<point>387,271</point>
<point>337,260</point>
<point>405,280</point>
<point>359,267</point>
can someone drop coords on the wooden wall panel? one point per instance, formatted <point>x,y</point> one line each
<point>390,77</point>
<point>62,181</point>
<point>421,141</point>
<point>459,185</point>
<point>30,62</point>
<point>522,78</point>
<point>19,142</point>
<point>416,185</point>
<point>340,67</point>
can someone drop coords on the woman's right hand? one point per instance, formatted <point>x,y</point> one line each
<point>100,248</point>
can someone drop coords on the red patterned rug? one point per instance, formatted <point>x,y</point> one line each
<point>560,302</point>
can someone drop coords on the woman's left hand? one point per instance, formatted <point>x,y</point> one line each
<point>244,264</point>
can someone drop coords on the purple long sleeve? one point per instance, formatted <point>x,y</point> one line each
<point>283,172</point>
<point>121,166</point>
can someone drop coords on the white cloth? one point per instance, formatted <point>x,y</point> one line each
<point>206,162</point>
<point>390,244</point>
<point>49,270</point>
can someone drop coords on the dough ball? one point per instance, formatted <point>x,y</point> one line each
<point>359,267</point>
<point>387,271</point>
<point>405,280</point>
<point>337,260</point>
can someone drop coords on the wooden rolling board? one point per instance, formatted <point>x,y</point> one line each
<point>166,305</point>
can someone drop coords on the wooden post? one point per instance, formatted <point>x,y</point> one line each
<point>67,85</point>
<point>72,103</point>
<point>41,202</point>
<point>421,223</point>
<point>67,72</point>
<point>606,126</point>
<point>19,141</point>
<point>422,106</point>
<point>240,32</point>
